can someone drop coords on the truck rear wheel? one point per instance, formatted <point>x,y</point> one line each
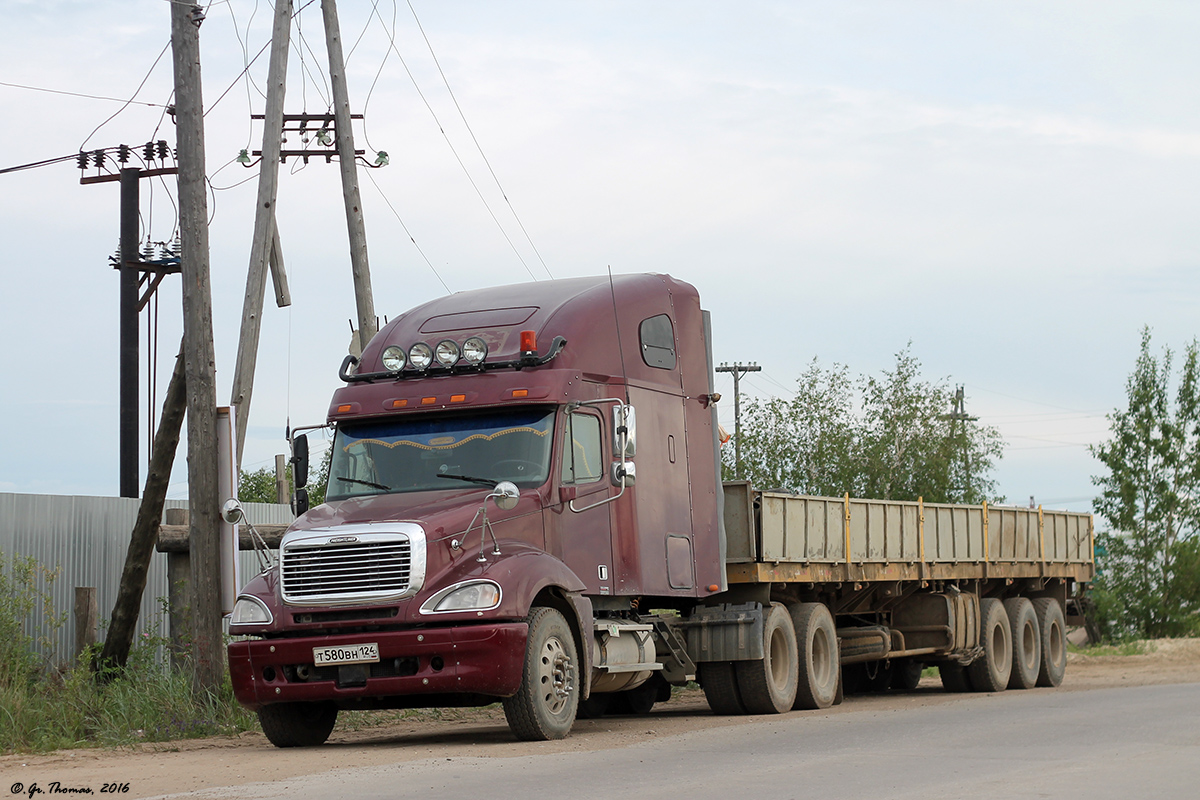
<point>720,686</point>
<point>991,672</point>
<point>1053,641</point>
<point>954,678</point>
<point>297,724</point>
<point>769,686</point>
<point>817,655</point>
<point>545,705</point>
<point>1027,643</point>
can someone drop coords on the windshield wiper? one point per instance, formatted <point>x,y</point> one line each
<point>468,479</point>
<point>364,483</point>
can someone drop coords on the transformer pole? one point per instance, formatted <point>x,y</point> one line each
<point>738,371</point>
<point>130,176</point>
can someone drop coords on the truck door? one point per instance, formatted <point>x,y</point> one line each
<point>578,524</point>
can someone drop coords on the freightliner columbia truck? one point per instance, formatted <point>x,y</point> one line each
<point>525,505</point>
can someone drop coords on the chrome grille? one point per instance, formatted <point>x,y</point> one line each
<point>341,568</point>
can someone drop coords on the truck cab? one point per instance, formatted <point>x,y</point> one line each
<point>519,474</point>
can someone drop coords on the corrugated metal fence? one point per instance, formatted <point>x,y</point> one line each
<point>87,537</point>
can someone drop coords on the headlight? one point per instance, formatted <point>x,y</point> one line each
<point>420,355</point>
<point>250,611</point>
<point>474,351</point>
<point>394,359</point>
<point>447,352</point>
<point>469,596</point>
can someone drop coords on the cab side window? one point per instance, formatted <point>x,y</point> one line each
<point>582,451</point>
<point>658,342</point>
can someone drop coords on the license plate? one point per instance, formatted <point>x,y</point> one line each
<point>346,654</point>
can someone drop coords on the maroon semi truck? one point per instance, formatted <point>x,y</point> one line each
<point>524,505</point>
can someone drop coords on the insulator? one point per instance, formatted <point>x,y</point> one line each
<point>176,246</point>
<point>164,152</point>
<point>83,160</point>
<point>123,153</point>
<point>148,152</point>
<point>148,251</point>
<point>98,158</point>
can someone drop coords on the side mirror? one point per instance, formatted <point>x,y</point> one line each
<point>231,512</point>
<point>506,495</point>
<point>300,501</point>
<point>300,460</point>
<point>623,473</point>
<point>624,432</point>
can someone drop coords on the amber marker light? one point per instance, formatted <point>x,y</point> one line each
<point>344,409</point>
<point>520,393</point>
<point>457,398</point>
<point>712,587</point>
<point>399,403</point>
<point>529,341</point>
<point>428,401</point>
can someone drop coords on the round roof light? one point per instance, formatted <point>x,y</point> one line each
<point>394,358</point>
<point>447,352</point>
<point>474,351</point>
<point>420,356</point>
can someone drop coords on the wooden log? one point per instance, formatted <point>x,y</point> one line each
<point>87,613</point>
<point>174,538</point>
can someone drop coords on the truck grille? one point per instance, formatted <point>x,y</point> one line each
<point>336,567</point>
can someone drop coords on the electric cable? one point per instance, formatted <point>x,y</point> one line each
<point>406,231</point>
<point>132,99</point>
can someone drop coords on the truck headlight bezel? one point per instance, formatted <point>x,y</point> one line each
<point>477,595</point>
<point>250,612</point>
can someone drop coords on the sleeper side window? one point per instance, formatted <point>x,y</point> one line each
<point>582,454</point>
<point>658,342</point>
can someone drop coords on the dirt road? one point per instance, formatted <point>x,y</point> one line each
<point>164,768</point>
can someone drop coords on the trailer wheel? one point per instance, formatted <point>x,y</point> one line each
<point>297,724</point>
<point>991,672</point>
<point>1053,641</point>
<point>769,686</point>
<point>594,707</point>
<point>906,674</point>
<point>1027,643</point>
<point>720,686</point>
<point>817,655</point>
<point>954,678</point>
<point>545,705</point>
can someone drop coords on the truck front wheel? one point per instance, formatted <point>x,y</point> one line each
<point>545,705</point>
<point>297,724</point>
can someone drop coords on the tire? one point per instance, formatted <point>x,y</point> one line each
<point>1026,643</point>
<point>768,686</point>
<point>817,655</point>
<point>906,674</point>
<point>641,700</point>
<point>991,672</point>
<point>954,678</point>
<point>544,707</point>
<point>1053,631</point>
<point>720,686</point>
<point>297,724</point>
<point>595,707</point>
<point>840,696</point>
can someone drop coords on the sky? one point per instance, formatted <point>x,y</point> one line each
<point>1011,187</point>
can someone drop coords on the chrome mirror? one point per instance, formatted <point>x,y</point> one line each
<point>506,495</point>
<point>231,512</point>
<point>624,432</point>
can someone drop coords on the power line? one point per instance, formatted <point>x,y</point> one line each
<point>81,94</point>
<point>457,157</point>
<point>475,140</point>
<point>132,99</point>
<point>406,231</point>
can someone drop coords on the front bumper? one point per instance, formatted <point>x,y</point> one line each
<point>468,659</point>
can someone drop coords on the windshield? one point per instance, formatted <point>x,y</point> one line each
<point>419,454</point>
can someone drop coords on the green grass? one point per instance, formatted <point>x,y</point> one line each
<point>45,707</point>
<point>1132,648</point>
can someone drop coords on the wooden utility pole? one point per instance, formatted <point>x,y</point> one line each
<point>265,244</point>
<point>367,325</point>
<point>738,371</point>
<point>199,359</point>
